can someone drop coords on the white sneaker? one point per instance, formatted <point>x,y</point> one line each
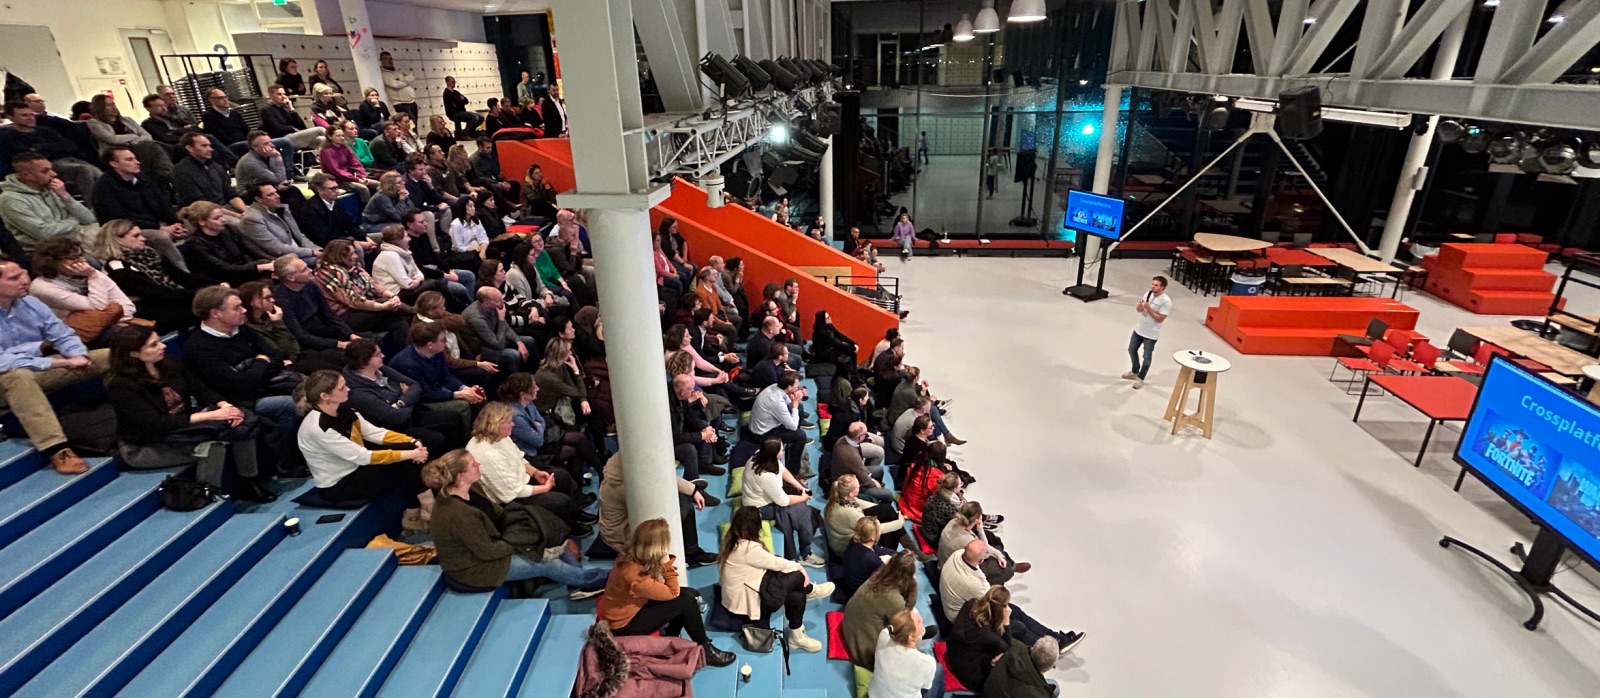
<point>800,641</point>
<point>820,591</point>
<point>1138,383</point>
<point>1130,376</point>
<point>579,594</point>
<point>813,561</point>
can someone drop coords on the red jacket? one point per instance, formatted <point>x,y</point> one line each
<point>917,490</point>
<point>637,666</point>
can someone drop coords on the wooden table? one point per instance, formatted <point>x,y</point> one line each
<point>1149,179</point>
<point>1356,261</point>
<point>1229,243</point>
<point>1582,324</point>
<point>1526,344</point>
<point>1228,206</point>
<point>1199,373</point>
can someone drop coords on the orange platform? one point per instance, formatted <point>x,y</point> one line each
<point>1300,326</point>
<point>1491,279</point>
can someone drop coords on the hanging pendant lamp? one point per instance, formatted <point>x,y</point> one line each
<point>988,20</point>
<point>963,29</point>
<point>1026,11</point>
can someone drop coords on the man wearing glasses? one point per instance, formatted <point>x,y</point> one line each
<point>324,220</point>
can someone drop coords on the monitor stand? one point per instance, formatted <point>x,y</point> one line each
<point>1085,292</point>
<point>1538,566</point>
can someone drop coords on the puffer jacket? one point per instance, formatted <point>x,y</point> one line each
<point>33,216</point>
<point>636,666</point>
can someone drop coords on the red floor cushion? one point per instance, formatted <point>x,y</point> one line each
<point>836,648</point>
<point>951,683</point>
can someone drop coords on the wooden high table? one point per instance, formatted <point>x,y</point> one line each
<point>1353,260</point>
<point>1199,372</point>
<point>1229,243</point>
<point>1529,345</point>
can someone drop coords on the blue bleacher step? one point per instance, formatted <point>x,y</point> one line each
<point>51,621</point>
<point>555,663</point>
<point>17,460</point>
<point>55,547</point>
<point>498,665</point>
<point>105,658</point>
<point>367,654</point>
<point>766,671</point>
<point>805,693</point>
<point>294,650</point>
<point>200,659</point>
<point>433,663</point>
<point>44,493</point>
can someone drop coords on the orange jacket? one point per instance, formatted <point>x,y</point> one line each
<point>629,587</point>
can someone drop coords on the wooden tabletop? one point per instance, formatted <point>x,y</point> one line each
<point>1354,260</point>
<point>1559,358</point>
<point>1229,243</point>
<point>1149,179</point>
<point>1228,206</point>
<point>1581,324</point>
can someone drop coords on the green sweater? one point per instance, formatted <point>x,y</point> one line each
<point>548,273</point>
<point>470,549</point>
<point>363,151</point>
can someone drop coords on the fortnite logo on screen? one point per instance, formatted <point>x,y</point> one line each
<point>1512,465</point>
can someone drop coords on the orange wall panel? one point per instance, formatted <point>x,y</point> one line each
<point>759,232</point>
<point>554,156</point>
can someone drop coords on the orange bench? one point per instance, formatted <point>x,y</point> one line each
<point>1494,279</point>
<point>1300,326</point>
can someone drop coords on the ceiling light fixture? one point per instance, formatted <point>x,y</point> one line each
<point>964,29</point>
<point>988,21</point>
<point>1026,11</point>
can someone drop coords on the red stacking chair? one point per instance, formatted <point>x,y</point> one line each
<point>1486,352</point>
<point>1419,364</point>
<point>1378,358</point>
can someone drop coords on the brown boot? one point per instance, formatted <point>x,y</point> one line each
<point>68,463</point>
<point>951,440</point>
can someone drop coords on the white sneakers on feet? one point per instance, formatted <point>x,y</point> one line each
<point>800,641</point>
<point>1138,383</point>
<point>813,561</point>
<point>820,591</point>
<point>1130,376</point>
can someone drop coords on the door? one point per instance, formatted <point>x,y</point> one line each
<point>146,47</point>
<point>888,61</point>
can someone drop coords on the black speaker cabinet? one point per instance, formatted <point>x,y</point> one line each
<point>1300,113</point>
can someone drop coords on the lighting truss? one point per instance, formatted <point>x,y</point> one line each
<point>696,145</point>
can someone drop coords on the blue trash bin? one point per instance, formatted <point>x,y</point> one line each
<point>1247,285</point>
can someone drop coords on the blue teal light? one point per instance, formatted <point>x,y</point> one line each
<point>1088,129</point>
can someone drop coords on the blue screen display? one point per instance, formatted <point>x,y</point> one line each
<point>1539,446</point>
<point>1093,214</point>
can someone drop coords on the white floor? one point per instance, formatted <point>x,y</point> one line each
<point>1295,554</point>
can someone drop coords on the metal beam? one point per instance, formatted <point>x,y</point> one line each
<point>1560,47</point>
<point>1144,54</point>
<point>1555,106</point>
<point>673,62</point>
<point>1258,29</point>
<point>1205,36</point>
<point>1291,23</point>
<point>757,45</point>
<point>1124,36</point>
<point>1227,44</point>
<point>1160,13</point>
<point>1330,16</point>
<point>1378,28</point>
<point>1511,34</point>
<point>1419,34</point>
<point>1178,50</point>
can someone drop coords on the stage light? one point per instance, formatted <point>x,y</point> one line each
<point>1477,140</point>
<point>781,76</point>
<point>759,79</point>
<point>1087,130</point>
<point>988,21</point>
<point>1559,158</point>
<point>1026,11</point>
<point>1506,149</point>
<point>778,134</point>
<point>1451,131</point>
<point>1589,155</point>
<point>727,78</point>
<point>963,29</point>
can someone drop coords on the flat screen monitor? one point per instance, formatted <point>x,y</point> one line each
<point>1093,214</point>
<point>1538,446</point>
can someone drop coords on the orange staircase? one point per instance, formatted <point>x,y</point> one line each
<point>1491,279</point>
<point>1300,326</point>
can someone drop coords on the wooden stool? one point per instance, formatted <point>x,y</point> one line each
<point>1198,371</point>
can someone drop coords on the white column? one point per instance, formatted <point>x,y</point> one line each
<point>825,184</point>
<point>625,271</point>
<point>1412,171</point>
<point>363,47</point>
<point>1104,157</point>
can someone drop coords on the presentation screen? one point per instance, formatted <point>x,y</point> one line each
<point>1093,214</point>
<point>1539,447</point>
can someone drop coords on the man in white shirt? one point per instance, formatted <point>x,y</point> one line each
<point>400,86</point>
<point>776,414</point>
<point>1153,311</point>
<point>961,581</point>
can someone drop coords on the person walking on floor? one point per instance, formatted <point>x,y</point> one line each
<point>1153,311</point>
<point>922,147</point>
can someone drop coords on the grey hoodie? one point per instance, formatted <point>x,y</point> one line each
<point>33,216</point>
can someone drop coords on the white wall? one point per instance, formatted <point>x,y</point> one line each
<point>398,19</point>
<point>87,29</point>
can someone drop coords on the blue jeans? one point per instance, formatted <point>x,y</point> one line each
<point>563,570</point>
<point>1134,342</point>
<point>470,118</point>
<point>279,410</point>
<point>938,421</point>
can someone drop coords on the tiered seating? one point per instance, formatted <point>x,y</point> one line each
<point>1492,279</point>
<point>1300,325</point>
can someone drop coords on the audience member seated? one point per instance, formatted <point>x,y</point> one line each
<point>439,134</point>
<point>466,233</point>
<point>776,415</point>
<point>373,113</point>
<point>978,637</point>
<point>921,474</point>
<point>961,581</point>
<point>25,135</point>
<point>337,442</point>
<point>340,163</point>
<point>509,476</point>
<point>486,173</point>
<point>352,295</point>
<point>845,510</point>
<point>524,313</point>
<point>706,375</point>
<point>755,583</point>
<point>271,230</point>
<point>218,253</point>
<point>783,500</point>
<point>167,418</point>
<point>693,437</point>
<point>966,526</point>
<point>831,346</point>
<point>566,454</point>
<point>263,315</point>
<point>547,272</point>
<point>766,371</point>
<point>497,118</point>
<point>424,362</point>
<point>388,149</point>
<point>163,291</point>
<point>280,120</point>
<point>676,249</point>
<point>564,392</point>
<point>425,195</point>
<point>325,109</point>
<point>202,177</point>
<point>890,590</point>
<point>643,594</point>
<point>940,507</point>
<point>455,106</point>
<point>126,195</point>
<point>909,393</point>
<point>855,455</point>
<point>244,368</point>
<point>538,195</point>
<point>26,372</point>
<point>357,140</point>
<point>1020,673</point>
<point>614,526</point>
<point>395,270</point>
<point>488,333</point>
<point>170,121</point>
<point>848,405</point>
<point>323,220</point>
<point>392,401</point>
<point>110,128</point>
<point>225,123</point>
<point>666,275</point>
<point>387,205</point>
<point>85,298</point>
<point>903,671</point>
<point>862,556</point>
<point>856,246</point>
<point>568,238</point>
<point>35,205</point>
<point>452,170</point>
<point>472,549</point>
<point>306,311</point>
<point>760,345</point>
<point>264,165</point>
<point>320,75</point>
<point>733,283</point>
<point>457,355</point>
<point>289,79</point>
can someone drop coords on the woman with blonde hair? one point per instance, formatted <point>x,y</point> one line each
<point>507,474</point>
<point>967,526</point>
<point>388,204</point>
<point>334,437</point>
<point>471,551</point>
<point>165,292</point>
<point>845,507</point>
<point>564,391</point>
<point>217,253</point>
<point>643,594</point>
<point>373,112</point>
<point>903,671</point>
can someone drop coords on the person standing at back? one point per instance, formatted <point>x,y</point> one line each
<point>1153,311</point>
